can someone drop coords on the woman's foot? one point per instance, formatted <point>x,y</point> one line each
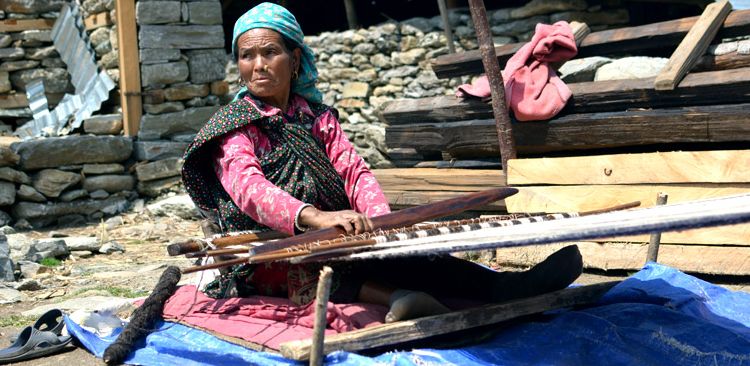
<point>406,304</point>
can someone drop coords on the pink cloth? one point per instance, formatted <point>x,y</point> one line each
<point>268,321</point>
<point>239,171</point>
<point>532,88</point>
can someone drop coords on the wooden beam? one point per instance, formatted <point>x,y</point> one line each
<point>97,21</point>
<point>19,25</point>
<point>727,61</point>
<point>705,88</point>
<point>717,166</point>
<point>608,256</point>
<point>427,179</point>
<point>401,199</point>
<point>130,69</point>
<point>693,46</point>
<point>475,139</point>
<point>614,41</point>
<point>10,101</point>
<point>403,331</point>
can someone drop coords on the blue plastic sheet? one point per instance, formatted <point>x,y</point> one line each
<point>659,316</point>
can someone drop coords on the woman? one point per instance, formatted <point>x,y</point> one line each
<point>277,158</point>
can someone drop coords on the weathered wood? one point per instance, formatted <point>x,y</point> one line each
<point>19,25</point>
<point>426,179</point>
<point>716,166</point>
<point>655,239</point>
<point>9,101</point>
<point>727,61</point>
<point>705,88</point>
<point>614,41</point>
<point>317,354</point>
<point>399,199</point>
<point>578,198</point>
<point>693,45</point>
<point>97,21</point>
<point>608,256</point>
<point>476,139</point>
<point>130,69</point>
<point>394,333</point>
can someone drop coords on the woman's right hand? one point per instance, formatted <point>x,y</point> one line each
<point>352,222</point>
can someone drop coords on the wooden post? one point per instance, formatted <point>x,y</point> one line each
<point>693,46</point>
<point>130,68</point>
<point>351,14</point>
<point>321,309</point>
<point>655,240</point>
<point>497,88</point>
<point>446,26</point>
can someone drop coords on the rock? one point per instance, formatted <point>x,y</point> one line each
<point>185,91</point>
<point>99,36</point>
<point>206,65</point>
<point>400,72</point>
<point>381,61</point>
<point>204,12</point>
<point>168,107</point>
<point>46,248</point>
<point>7,230</point>
<point>743,47</point>
<point>518,26</point>
<point>631,68</point>
<point>89,303</point>
<point>157,12</point>
<point>5,219</point>
<point>356,90</point>
<point>351,103</point>
<point>70,150</point>
<point>8,156</point>
<point>15,53</point>
<point>78,243</point>
<point>18,65</point>
<point>181,206</point>
<point>181,37</point>
<point>22,224</point>
<point>609,17</point>
<point>159,169</point>
<point>5,82</point>
<point>365,49</point>
<point>29,285</point>
<point>500,16</point>
<point>157,56</point>
<point>51,182</point>
<point>423,24</point>
<point>7,193</point>
<point>15,176</point>
<point>410,57</point>
<point>723,48</point>
<point>155,187</point>
<point>95,169</point>
<point>158,150</point>
<point>99,194</point>
<point>96,6</point>
<point>114,222</point>
<point>29,269</point>
<point>56,80</point>
<point>29,210</point>
<point>165,73</point>
<point>81,254</point>
<point>73,195</point>
<point>539,7</point>
<point>5,40</point>
<point>111,247</point>
<point>109,61</point>
<point>28,193</point>
<point>105,124</point>
<point>72,220</point>
<point>53,63</point>
<point>41,53</point>
<point>166,125</point>
<point>6,264</point>
<point>583,69</point>
<point>109,183</point>
<point>9,296</point>
<point>220,87</point>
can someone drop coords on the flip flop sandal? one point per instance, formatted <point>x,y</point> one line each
<point>51,321</point>
<point>32,343</point>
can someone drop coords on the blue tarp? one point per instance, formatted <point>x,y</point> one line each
<point>659,316</point>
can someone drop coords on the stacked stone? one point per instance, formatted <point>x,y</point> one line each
<point>102,32</point>
<point>182,74</point>
<point>362,69</point>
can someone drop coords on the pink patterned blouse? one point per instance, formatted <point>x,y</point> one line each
<point>239,171</point>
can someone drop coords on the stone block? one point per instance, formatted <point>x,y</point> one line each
<point>540,7</point>
<point>207,65</point>
<point>51,182</point>
<point>56,80</point>
<point>7,193</point>
<point>355,90</point>
<point>168,107</point>
<point>106,124</point>
<point>204,12</point>
<point>220,87</point>
<point>157,12</point>
<point>156,187</point>
<point>14,53</point>
<point>71,150</point>
<point>161,55</point>
<point>159,169</point>
<point>96,169</point>
<point>166,73</point>
<point>6,264</point>
<point>14,176</point>
<point>181,37</point>
<point>153,96</point>
<point>28,193</point>
<point>5,40</point>
<point>73,195</point>
<point>31,6</point>
<point>166,125</point>
<point>158,150</point>
<point>41,53</point>
<point>609,17</point>
<point>5,82</point>
<point>185,91</point>
<point>9,66</point>
<point>38,35</point>
<point>109,183</point>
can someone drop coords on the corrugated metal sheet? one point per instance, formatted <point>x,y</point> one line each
<point>91,85</point>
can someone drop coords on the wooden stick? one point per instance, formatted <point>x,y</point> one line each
<point>130,71</point>
<point>317,351</point>
<point>623,206</point>
<point>653,243</point>
<point>446,26</point>
<point>693,46</point>
<point>403,331</point>
<point>195,245</point>
<point>214,265</point>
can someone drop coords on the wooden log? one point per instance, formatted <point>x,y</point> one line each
<point>19,25</point>
<point>476,139</point>
<point>427,179</point>
<point>609,256</point>
<point>614,41</point>
<point>97,21</point>
<point>403,331</point>
<point>705,88</point>
<point>577,198</point>
<point>130,70</point>
<point>727,61</point>
<point>716,166</point>
<point>693,45</point>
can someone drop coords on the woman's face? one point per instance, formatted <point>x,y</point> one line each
<point>266,65</point>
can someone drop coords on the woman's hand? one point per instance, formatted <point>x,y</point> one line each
<point>352,222</point>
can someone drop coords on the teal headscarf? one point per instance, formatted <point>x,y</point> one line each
<point>277,18</point>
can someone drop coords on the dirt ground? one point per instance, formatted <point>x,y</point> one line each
<point>130,274</point>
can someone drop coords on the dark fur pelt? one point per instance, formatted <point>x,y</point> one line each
<point>144,317</point>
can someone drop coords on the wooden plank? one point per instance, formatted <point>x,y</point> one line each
<point>607,256</point>
<point>427,179</point>
<point>97,21</point>
<point>400,199</point>
<point>727,61</point>
<point>19,25</point>
<point>403,331</point>
<point>475,139</point>
<point>693,45</point>
<point>717,166</point>
<point>9,101</point>
<point>614,41</point>
<point>130,69</point>
<point>578,198</point>
<point>704,88</point>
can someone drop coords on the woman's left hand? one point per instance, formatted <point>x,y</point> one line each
<point>352,222</point>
